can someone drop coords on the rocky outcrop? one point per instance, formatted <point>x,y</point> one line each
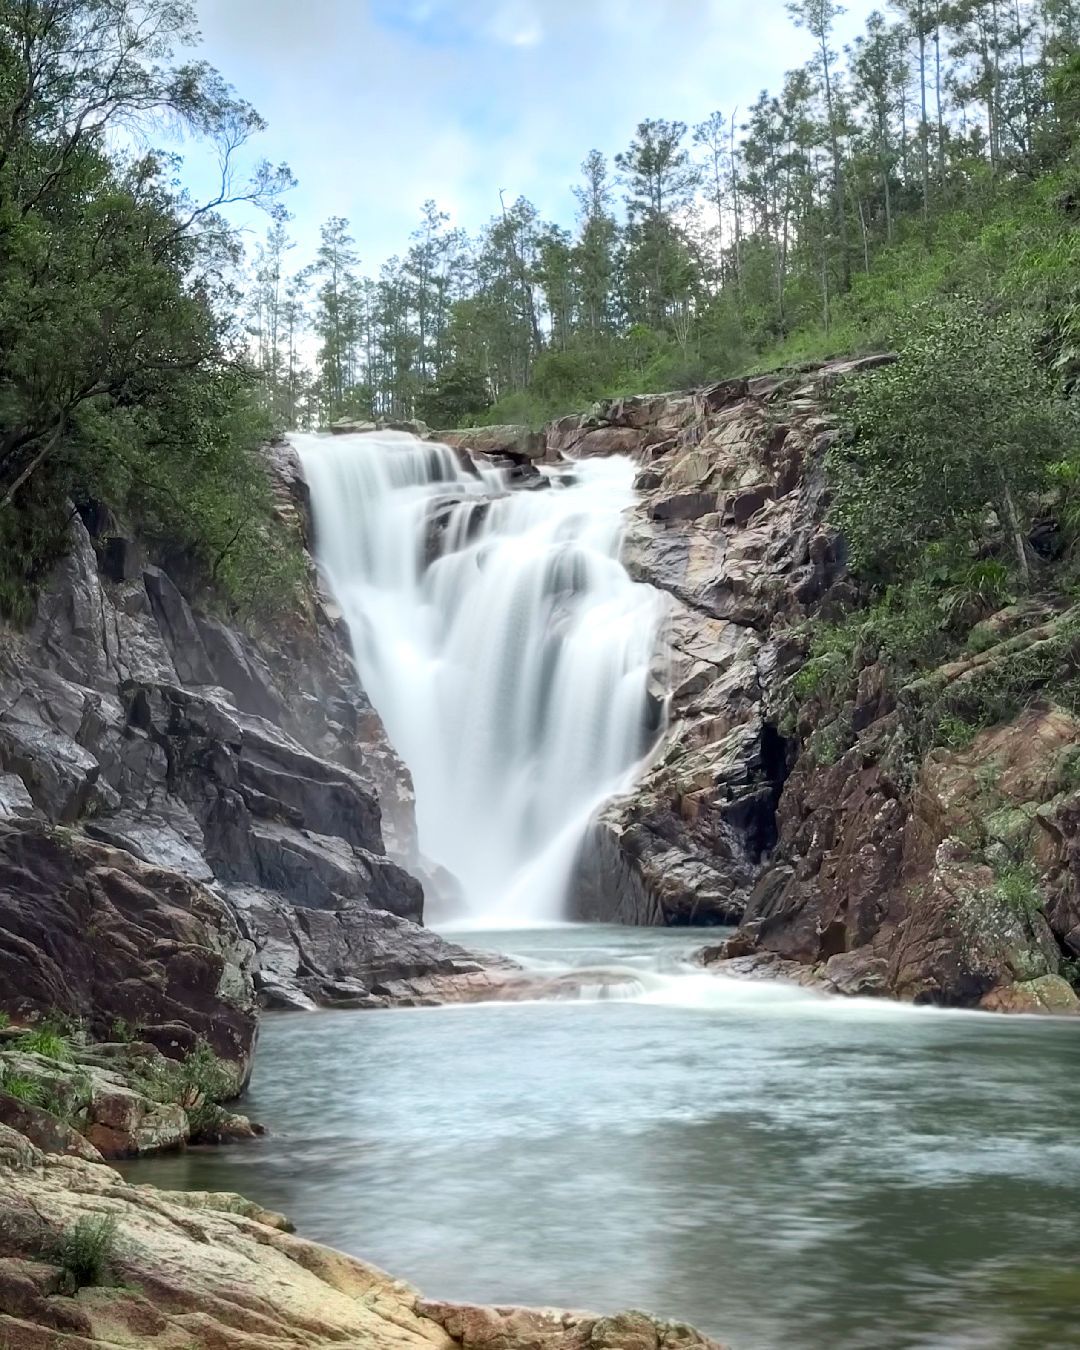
<point>730,523</point>
<point>91,934</point>
<point>848,857</point>
<point>498,442</point>
<point>922,885</point>
<point>355,957</point>
<point>159,767</point>
<point>110,1100</point>
<point>213,1271</point>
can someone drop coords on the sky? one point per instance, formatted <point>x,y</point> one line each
<point>377,105</point>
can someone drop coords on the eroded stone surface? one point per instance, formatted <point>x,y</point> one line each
<point>730,525</point>
<point>212,1271</point>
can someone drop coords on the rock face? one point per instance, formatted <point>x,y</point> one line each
<point>921,884</point>
<point>196,814</point>
<point>730,524</point>
<point>355,957</point>
<point>841,866</point>
<point>92,934</point>
<point>510,442</point>
<point>212,1271</point>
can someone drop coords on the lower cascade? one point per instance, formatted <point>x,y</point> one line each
<point>502,642</point>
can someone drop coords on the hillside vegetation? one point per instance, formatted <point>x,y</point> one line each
<point>919,190</point>
<point>124,374</point>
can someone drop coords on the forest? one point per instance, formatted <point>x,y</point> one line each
<point>146,353</point>
<point>924,158</point>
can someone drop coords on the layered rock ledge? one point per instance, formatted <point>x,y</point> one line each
<point>212,1271</point>
<point>199,817</point>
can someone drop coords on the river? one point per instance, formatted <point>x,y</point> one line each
<point>778,1168</point>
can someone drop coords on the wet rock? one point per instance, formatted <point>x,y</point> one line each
<point>857,973</point>
<point>1047,994</point>
<point>353,955</point>
<point>15,800</point>
<point>177,626</point>
<point>58,774</point>
<point>91,933</point>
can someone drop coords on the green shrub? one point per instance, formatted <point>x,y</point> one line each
<point>199,1080</point>
<point>981,638</point>
<point>948,448</point>
<point>63,1108</point>
<point>27,1090</point>
<point>86,1252</point>
<point>5,1021</point>
<point>122,1032</point>
<point>1016,886</point>
<point>46,1041</point>
<point>954,733</point>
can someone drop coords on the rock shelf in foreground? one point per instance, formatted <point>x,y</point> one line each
<point>212,1271</point>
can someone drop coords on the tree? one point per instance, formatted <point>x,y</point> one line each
<point>104,276</point>
<point>818,17</point>
<point>335,315</point>
<point>712,136</point>
<point>967,420</point>
<point>660,180</point>
<point>594,254</point>
<point>459,394</point>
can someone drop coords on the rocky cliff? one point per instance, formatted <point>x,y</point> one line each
<point>199,817</point>
<point>848,852</point>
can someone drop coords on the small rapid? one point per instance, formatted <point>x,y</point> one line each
<point>503,644</point>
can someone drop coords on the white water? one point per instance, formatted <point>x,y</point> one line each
<point>511,671</point>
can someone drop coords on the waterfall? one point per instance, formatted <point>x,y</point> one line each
<point>501,641</point>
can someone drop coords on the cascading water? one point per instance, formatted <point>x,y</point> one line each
<point>503,644</point>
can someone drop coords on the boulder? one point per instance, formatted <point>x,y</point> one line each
<point>91,933</point>
<point>1047,994</point>
<point>44,1130</point>
<point>511,442</point>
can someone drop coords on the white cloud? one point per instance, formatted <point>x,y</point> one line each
<point>379,104</point>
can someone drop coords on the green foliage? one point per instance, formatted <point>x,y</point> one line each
<point>1020,672</point>
<point>63,1108</point>
<point>23,1089</point>
<point>966,421</point>
<point>31,540</point>
<point>86,1252</point>
<point>981,638</point>
<point>199,1083</point>
<point>458,396</point>
<point>1016,886</point>
<point>1067,770</point>
<point>122,1032</point>
<point>905,630</point>
<point>47,1041</point>
<point>954,733</point>
<point>122,378</point>
<point>5,1020</point>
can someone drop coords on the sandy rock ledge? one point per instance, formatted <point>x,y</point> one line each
<point>212,1271</point>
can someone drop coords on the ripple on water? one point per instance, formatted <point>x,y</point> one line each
<point>778,1168</point>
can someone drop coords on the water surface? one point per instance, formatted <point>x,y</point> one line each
<point>780,1169</point>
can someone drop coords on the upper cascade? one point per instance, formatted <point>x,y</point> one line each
<point>503,644</point>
